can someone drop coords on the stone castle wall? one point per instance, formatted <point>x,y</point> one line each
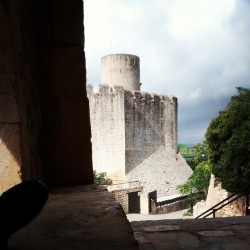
<point>134,138</point>
<point>128,127</point>
<point>108,132</point>
<point>151,143</point>
<point>149,125</point>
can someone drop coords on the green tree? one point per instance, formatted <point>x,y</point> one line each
<point>228,138</point>
<point>187,153</point>
<point>198,182</point>
<point>101,178</point>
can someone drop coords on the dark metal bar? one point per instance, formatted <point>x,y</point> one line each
<point>214,207</point>
<point>247,203</point>
<point>214,210</point>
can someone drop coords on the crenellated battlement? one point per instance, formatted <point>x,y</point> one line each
<point>150,97</point>
<point>103,90</point>
<point>137,96</point>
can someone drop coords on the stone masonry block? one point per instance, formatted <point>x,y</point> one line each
<point>8,109</point>
<point>10,162</point>
<point>65,67</point>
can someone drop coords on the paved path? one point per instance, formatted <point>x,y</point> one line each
<point>143,217</point>
<point>232,233</point>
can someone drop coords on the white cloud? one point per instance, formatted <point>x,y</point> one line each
<point>195,95</point>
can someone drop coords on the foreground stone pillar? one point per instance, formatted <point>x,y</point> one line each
<point>66,146</point>
<point>44,110</point>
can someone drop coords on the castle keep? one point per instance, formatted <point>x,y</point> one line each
<point>134,133</point>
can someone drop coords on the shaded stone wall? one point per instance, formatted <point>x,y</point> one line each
<point>20,114</point>
<point>121,196</point>
<point>44,112</point>
<point>150,124</point>
<point>66,146</point>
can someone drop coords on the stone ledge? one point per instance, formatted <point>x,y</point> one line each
<point>84,217</point>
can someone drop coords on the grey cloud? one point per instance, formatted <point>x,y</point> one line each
<point>203,71</point>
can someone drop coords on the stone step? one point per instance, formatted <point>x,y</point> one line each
<point>85,217</point>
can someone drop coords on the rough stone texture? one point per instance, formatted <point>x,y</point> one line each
<point>10,172</point>
<point>66,146</point>
<point>84,217</point>
<point>44,111</point>
<point>121,70</point>
<point>19,102</point>
<point>162,175</point>
<point>219,233</point>
<point>108,134</point>
<point>215,195</point>
<point>121,195</point>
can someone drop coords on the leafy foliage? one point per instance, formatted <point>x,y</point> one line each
<point>188,153</point>
<point>101,178</point>
<point>228,138</point>
<point>198,183</point>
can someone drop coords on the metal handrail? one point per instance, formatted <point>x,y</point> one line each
<point>215,208</point>
<point>170,201</point>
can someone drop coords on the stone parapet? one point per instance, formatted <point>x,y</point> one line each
<point>83,217</point>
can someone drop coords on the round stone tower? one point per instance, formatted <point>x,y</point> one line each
<point>121,70</point>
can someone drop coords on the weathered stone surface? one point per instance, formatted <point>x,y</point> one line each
<point>10,152</point>
<point>121,70</point>
<point>140,238</point>
<point>216,233</point>
<point>85,217</point>
<point>121,196</point>
<point>8,109</point>
<point>161,228</point>
<point>42,90</point>
<point>108,133</point>
<point>215,195</point>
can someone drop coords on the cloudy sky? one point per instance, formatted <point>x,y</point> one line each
<point>196,50</point>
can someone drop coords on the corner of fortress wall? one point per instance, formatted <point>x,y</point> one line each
<point>107,128</point>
